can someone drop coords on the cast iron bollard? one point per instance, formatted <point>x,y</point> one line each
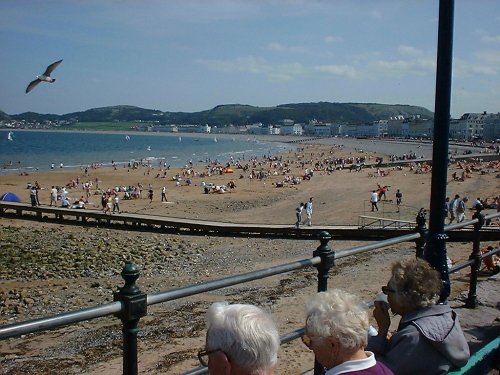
<point>327,256</point>
<point>134,306</point>
<point>471,302</point>
<point>327,260</point>
<point>421,228</point>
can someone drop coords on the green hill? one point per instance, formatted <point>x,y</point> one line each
<point>238,114</point>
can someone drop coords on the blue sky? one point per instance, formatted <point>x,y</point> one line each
<point>191,55</point>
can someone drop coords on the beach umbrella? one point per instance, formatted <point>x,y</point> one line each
<point>10,197</point>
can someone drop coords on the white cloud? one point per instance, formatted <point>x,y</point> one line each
<point>490,39</point>
<point>489,57</point>
<point>339,70</point>
<point>463,68</point>
<point>399,68</point>
<point>257,65</point>
<point>409,51</point>
<point>375,14</point>
<point>333,39</point>
<point>278,47</point>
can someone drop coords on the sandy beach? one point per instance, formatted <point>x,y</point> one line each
<point>50,267</point>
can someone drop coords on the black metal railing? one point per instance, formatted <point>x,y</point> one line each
<point>130,303</point>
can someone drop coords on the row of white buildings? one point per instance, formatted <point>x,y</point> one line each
<point>470,126</point>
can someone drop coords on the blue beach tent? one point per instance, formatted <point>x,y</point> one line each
<point>10,197</point>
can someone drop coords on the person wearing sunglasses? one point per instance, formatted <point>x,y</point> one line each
<point>429,339</point>
<point>241,340</point>
<point>337,331</point>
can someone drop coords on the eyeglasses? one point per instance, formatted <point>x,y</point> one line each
<point>203,356</point>
<point>307,341</point>
<point>386,290</point>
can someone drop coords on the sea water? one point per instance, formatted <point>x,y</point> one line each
<point>40,150</point>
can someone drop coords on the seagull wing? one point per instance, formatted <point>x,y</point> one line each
<point>32,85</point>
<point>51,67</point>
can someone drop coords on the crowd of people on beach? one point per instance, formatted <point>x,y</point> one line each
<point>285,171</point>
<point>244,339</point>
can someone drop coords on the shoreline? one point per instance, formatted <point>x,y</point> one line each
<point>172,155</point>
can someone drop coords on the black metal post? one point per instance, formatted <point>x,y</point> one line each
<point>471,301</point>
<point>422,230</point>
<point>327,256</point>
<point>435,252</point>
<point>134,306</point>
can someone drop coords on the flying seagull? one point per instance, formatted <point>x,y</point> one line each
<point>44,77</point>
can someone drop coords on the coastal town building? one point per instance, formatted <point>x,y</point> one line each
<point>470,127</point>
<point>491,128</point>
<point>294,129</point>
<point>476,126</point>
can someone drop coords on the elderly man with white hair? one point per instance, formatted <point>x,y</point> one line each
<point>337,332</point>
<point>241,340</point>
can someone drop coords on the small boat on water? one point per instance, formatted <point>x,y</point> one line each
<point>149,148</point>
<point>180,139</point>
<point>215,139</point>
<point>10,136</point>
<point>127,138</point>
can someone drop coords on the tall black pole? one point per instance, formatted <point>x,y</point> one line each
<point>327,256</point>
<point>435,252</point>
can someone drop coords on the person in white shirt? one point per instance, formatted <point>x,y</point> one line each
<point>309,212</point>
<point>116,204</point>
<point>374,200</point>
<point>460,209</point>
<point>53,196</point>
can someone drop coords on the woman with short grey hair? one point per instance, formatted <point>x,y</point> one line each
<point>241,339</point>
<point>429,339</point>
<point>336,330</point>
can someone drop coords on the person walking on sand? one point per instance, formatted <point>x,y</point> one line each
<point>37,187</point>
<point>107,208</point>
<point>53,196</point>
<point>374,200</point>
<point>381,191</point>
<point>116,204</point>
<point>451,208</point>
<point>33,196</point>
<point>399,198</point>
<point>164,194</point>
<point>298,214</point>
<point>150,194</point>
<point>309,211</point>
<point>460,209</point>
<point>104,201</point>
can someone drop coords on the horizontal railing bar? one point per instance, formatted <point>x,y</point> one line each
<point>59,320</point>
<point>461,266</point>
<point>469,222</point>
<point>290,336</point>
<point>380,244</point>
<point>229,281</point>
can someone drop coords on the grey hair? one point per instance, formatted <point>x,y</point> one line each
<point>338,314</point>
<point>247,334</point>
<point>416,283</point>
